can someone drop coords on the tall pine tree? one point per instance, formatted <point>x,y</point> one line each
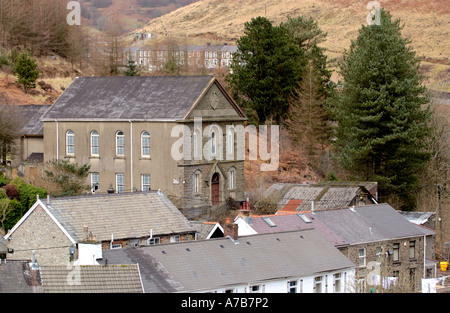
<point>380,113</point>
<point>266,68</point>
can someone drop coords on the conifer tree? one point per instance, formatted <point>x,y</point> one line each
<point>131,68</point>
<point>26,71</point>
<point>381,113</point>
<point>266,68</point>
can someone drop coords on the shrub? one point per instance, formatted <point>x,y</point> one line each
<point>12,192</point>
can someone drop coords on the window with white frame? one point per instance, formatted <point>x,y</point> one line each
<point>292,286</point>
<point>120,143</point>
<point>396,252</point>
<point>231,179</point>
<point>318,284</point>
<point>255,289</point>
<point>362,257</point>
<point>196,182</point>
<point>412,249</point>
<point>337,282</point>
<point>175,238</point>
<point>120,182</point>
<point>95,140</point>
<point>145,182</point>
<point>153,241</point>
<point>145,144</point>
<point>70,142</point>
<point>95,181</point>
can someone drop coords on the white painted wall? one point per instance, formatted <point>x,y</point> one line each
<point>303,284</point>
<point>88,253</point>
<point>244,229</point>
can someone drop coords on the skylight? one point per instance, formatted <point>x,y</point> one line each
<point>304,218</point>
<point>269,222</point>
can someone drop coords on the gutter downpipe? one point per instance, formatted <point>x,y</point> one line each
<point>57,140</point>
<point>131,152</point>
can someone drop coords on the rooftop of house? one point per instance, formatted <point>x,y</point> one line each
<point>18,276</point>
<point>369,223</point>
<point>91,279</point>
<point>344,226</point>
<point>30,116</point>
<point>122,215</point>
<point>206,230</point>
<point>222,262</point>
<point>138,98</point>
<point>291,222</point>
<point>321,196</point>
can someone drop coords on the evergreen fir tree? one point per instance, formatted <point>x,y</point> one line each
<point>131,68</point>
<point>382,121</point>
<point>266,68</point>
<point>26,71</point>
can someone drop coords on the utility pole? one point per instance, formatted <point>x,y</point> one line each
<point>440,218</point>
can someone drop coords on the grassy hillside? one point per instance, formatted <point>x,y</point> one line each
<point>426,23</point>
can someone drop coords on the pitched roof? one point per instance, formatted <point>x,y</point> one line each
<point>206,230</point>
<point>418,218</point>
<point>91,279</point>
<point>325,195</point>
<point>135,98</point>
<point>19,277</point>
<point>369,223</point>
<point>31,115</point>
<point>123,215</point>
<point>218,263</point>
<point>292,222</point>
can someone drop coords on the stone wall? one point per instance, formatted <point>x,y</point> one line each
<point>408,270</point>
<point>39,233</point>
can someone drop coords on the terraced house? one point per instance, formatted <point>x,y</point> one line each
<point>125,129</point>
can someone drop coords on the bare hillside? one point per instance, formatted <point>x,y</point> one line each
<point>427,23</point>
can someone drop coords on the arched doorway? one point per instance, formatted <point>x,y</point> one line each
<point>215,189</point>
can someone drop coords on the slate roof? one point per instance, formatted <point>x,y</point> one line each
<point>91,279</point>
<point>206,230</point>
<point>125,215</point>
<point>30,116</point>
<point>418,218</point>
<point>292,222</point>
<point>125,98</point>
<point>326,195</point>
<point>369,223</point>
<point>218,263</point>
<point>19,277</point>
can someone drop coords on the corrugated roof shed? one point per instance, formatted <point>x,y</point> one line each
<point>218,263</point>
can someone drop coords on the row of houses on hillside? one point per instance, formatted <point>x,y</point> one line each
<point>164,150</point>
<point>156,57</point>
<point>376,238</point>
<point>332,250</point>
